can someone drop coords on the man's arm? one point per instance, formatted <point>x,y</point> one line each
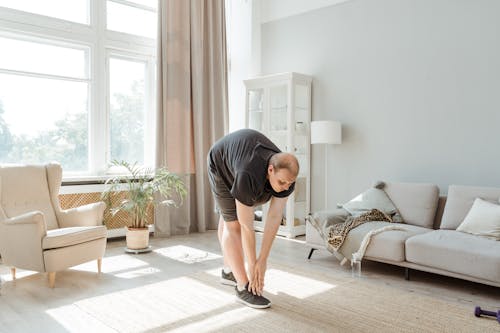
<point>273,220</point>
<point>245,218</point>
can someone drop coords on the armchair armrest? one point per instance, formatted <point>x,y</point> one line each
<point>35,217</point>
<point>87,215</point>
<point>21,240</point>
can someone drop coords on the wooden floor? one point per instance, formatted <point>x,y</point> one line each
<point>27,305</point>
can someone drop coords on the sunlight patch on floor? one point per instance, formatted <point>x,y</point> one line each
<point>280,281</point>
<point>74,319</point>
<point>19,274</point>
<point>164,304</point>
<point>220,321</point>
<point>138,273</point>
<point>214,272</point>
<point>112,264</point>
<point>299,286</point>
<point>186,254</point>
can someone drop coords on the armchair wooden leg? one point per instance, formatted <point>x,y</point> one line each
<point>13,272</point>
<point>52,279</point>
<point>99,264</point>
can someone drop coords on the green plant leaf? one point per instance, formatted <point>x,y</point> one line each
<point>140,186</point>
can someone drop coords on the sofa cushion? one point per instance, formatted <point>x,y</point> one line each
<point>460,200</point>
<point>456,252</point>
<point>416,202</point>
<point>387,245</point>
<point>373,198</point>
<point>71,236</point>
<point>483,219</point>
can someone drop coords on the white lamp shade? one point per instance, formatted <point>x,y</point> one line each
<point>326,132</point>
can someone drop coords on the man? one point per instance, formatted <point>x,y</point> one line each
<point>246,170</point>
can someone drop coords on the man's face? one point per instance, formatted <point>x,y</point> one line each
<point>280,180</point>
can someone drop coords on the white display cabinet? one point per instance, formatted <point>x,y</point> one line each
<point>279,106</point>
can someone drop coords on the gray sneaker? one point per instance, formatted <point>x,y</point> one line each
<point>227,279</point>
<point>251,300</point>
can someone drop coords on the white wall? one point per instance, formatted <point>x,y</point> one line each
<point>244,18</point>
<point>416,84</point>
<point>278,9</point>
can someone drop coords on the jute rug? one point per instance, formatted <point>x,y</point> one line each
<point>302,302</point>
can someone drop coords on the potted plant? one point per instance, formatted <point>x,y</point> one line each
<point>136,193</point>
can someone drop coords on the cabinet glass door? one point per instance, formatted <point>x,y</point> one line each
<point>255,109</point>
<point>278,116</point>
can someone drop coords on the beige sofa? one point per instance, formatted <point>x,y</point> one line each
<point>429,241</point>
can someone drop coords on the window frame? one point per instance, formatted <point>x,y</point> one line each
<point>101,44</point>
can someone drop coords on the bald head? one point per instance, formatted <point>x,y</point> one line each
<point>285,161</point>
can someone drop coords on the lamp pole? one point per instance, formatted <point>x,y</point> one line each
<point>326,132</point>
<point>326,176</point>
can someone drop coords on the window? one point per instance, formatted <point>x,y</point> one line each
<point>74,10</point>
<point>121,13</point>
<point>75,93</point>
<point>127,105</point>
<point>44,103</point>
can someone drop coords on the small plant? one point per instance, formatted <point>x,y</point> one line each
<point>139,187</point>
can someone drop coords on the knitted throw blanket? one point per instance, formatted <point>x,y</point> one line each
<point>338,232</point>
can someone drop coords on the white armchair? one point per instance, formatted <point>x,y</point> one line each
<point>35,233</point>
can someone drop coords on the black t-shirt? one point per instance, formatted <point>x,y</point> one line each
<point>241,159</point>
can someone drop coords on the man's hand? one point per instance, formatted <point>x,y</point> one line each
<point>252,286</point>
<point>259,274</point>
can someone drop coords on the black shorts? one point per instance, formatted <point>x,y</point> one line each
<point>224,201</point>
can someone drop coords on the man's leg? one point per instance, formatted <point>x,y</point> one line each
<point>227,276</point>
<point>233,251</point>
<point>220,230</point>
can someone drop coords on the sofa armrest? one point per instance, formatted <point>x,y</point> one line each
<point>21,241</point>
<point>332,216</point>
<point>87,215</point>
<point>323,219</point>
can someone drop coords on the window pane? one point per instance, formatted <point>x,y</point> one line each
<point>119,18</point>
<point>127,109</point>
<point>43,120</point>
<point>149,3</point>
<point>73,10</point>
<point>41,58</point>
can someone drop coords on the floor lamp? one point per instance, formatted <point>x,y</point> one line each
<point>326,132</point>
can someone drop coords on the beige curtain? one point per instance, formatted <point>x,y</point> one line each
<point>192,105</point>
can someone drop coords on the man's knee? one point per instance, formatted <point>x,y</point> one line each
<point>232,226</point>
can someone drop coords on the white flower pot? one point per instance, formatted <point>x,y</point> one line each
<point>137,239</point>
